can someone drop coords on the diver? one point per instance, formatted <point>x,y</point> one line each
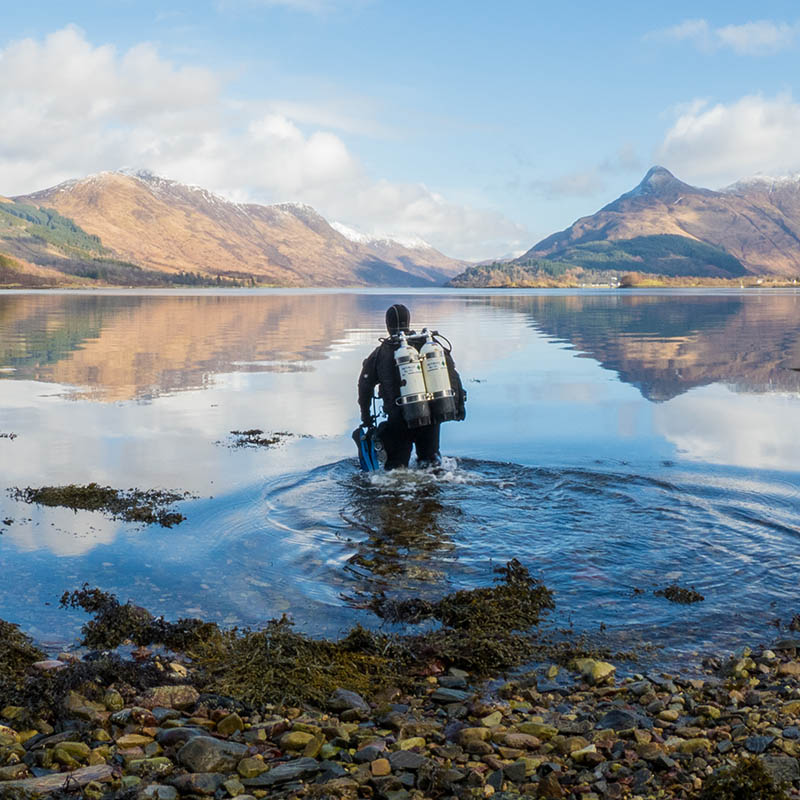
<point>420,388</point>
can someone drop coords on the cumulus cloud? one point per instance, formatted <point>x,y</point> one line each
<point>718,144</point>
<point>71,108</point>
<point>761,37</point>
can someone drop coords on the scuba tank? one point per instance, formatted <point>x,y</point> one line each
<point>437,380</point>
<point>413,398</point>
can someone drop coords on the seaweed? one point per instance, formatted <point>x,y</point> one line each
<point>255,437</point>
<point>116,623</point>
<point>679,594</point>
<point>17,653</point>
<point>746,780</point>
<point>278,665</point>
<point>483,630</point>
<point>131,505</point>
<point>10,436</point>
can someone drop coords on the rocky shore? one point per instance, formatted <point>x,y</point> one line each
<point>586,735</point>
<point>151,709</point>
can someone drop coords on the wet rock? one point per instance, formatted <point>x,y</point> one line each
<point>204,754</point>
<point>283,773</point>
<point>181,697</point>
<point>782,768</point>
<point>158,791</point>
<point>620,719</point>
<point>344,700</point>
<point>295,740</point>
<point>758,744</point>
<point>230,724</point>
<point>593,671</point>
<point>31,787</point>
<point>202,783</point>
<point>405,760</point>
<point>175,736</point>
<point>444,695</point>
<point>380,767</point>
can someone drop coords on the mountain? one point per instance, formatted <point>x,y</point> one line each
<point>185,234</point>
<point>666,226</point>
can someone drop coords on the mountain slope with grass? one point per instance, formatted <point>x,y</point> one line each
<point>668,227</point>
<point>185,234</point>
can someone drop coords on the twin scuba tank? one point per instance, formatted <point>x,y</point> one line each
<point>426,395</point>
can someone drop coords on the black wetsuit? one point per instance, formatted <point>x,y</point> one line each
<point>379,369</point>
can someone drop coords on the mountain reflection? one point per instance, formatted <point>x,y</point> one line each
<point>124,347</point>
<point>666,344</point>
<point>119,347</point>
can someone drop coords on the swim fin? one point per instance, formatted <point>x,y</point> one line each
<point>367,452</point>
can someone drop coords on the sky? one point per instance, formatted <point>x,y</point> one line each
<point>479,127</point>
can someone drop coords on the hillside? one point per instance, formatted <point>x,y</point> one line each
<point>175,230</point>
<point>668,227</point>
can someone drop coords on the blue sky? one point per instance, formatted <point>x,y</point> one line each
<point>480,127</point>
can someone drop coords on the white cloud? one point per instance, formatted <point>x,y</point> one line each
<point>71,108</point>
<point>761,37</point>
<point>718,144</point>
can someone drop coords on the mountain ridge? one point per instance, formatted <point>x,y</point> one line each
<point>755,221</point>
<point>166,227</point>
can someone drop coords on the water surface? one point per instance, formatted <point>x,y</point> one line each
<point>615,443</point>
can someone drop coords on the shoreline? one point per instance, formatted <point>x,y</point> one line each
<point>271,713</point>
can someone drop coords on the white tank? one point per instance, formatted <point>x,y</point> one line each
<point>413,398</point>
<point>437,380</point>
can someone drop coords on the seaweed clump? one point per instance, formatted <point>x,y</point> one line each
<point>483,630</point>
<point>17,653</point>
<point>278,665</point>
<point>116,623</point>
<point>255,437</point>
<point>679,594</point>
<point>10,436</point>
<point>746,780</point>
<point>132,505</point>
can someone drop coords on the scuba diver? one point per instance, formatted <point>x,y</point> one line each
<point>420,389</point>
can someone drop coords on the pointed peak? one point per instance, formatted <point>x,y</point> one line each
<point>661,184</point>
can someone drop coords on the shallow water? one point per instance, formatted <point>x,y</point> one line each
<point>615,443</point>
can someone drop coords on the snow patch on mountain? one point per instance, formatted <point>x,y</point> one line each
<point>409,242</point>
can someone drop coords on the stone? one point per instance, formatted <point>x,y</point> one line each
<point>77,750</point>
<point>344,700</point>
<point>403,759</point>
<point>234,787</point>
<point>368,753</point>
<point>314,747</point>
<point>522,741</point>
<point>492,720</point>
<point>52,783</point>
<point>619,719</point>
<point>538,729</point>
<point>250,767</point>
<point>283,773</point>
<point>708,711</point>
<point>230,724</point>
<point>133,740</point>
<point>408,744</point>
<point>444,695</point>
<point>380,767</point>
<point>172,736</point>
<point>789,668</point>
<point>792,708</point>
<point>550,788</point>
<point>516,772</point>
<point>758,744</point>
<point>692,746</point>
<point>204,754</point>
<point>782,768</point>
<point>158,791</point>
<point>180,697</point>
<point>669,715</point>
<point>295,740</point>
<point>725,746</point>
<point>472,734</point>
<point>203,783</point>
<point>593,671</point>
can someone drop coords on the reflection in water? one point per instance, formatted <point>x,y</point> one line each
<point>665,344</point>
<point>406,521</point>
<point>560,463</point>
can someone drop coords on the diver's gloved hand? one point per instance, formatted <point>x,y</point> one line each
<point>461,414</point>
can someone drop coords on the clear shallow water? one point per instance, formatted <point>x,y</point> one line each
<point>615,443</point>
